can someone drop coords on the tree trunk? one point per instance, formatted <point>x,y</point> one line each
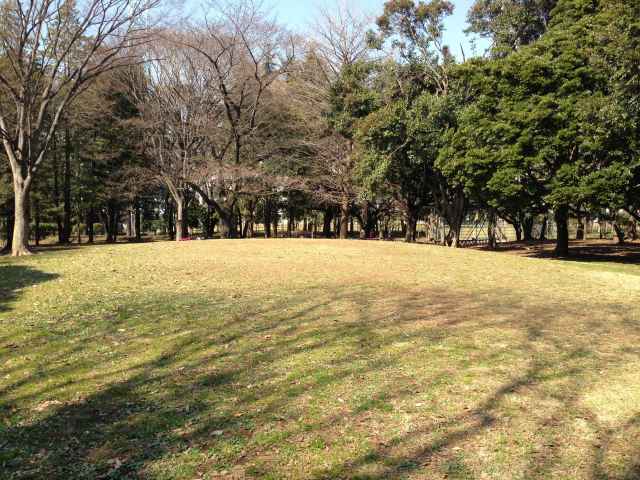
<point>90,220</point>
<point>454,237</point>
<point>169,214</point>
<point>451,206</point>
<point>251,228</point>
<point>344,219</point>
<point>66,190</point>
<point>266,221</point>
<point>179,219</point>
<point>129,223</point>
<point>517,226</point>
<point>543,229</point>
<point>209,223</point>
<point>250,220</point>
<point>492,224</point>
<point>114,223</point>
<point>226,226</point>
<point>20,242</point>
<point>386,233</point>
<point>562,225</point>
<point>138,220</point>
<point>56,192</point>
<point>580,229</point>
<point>411,227</point>
<point>455,216</point>
<point>228,223</point>
<point>10,224</point>
<point>620,233</point>
<point>240,224</point>
<point>527,228</point>
<point>274,220</point>
<point>111,223</point>
<point>326,226</point>
<point>290,221</point>
<point>365,229</point>
<point>245,229</point>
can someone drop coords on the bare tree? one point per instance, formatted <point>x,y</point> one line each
<point>340,42</point>
<point>178,107</point>
<point>245,53</point>
<point>341,36</point>
<point>331,175</point>
<point>54,50</point>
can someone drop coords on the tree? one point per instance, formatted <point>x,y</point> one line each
<point>333,163</point>
<point>546,123</point>
<point>110,162</point>
<point>341,39</point>
<point>55,49</point>
<point>331,81</point>
<point>483,154</point>
<point>244,53</point>
<point>177,108</point>
<point>403,139</point>
<point>622,36</point>
<point>510,24</point>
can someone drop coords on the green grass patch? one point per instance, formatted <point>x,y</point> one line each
<point>314,360</point>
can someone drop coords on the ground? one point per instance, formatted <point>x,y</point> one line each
<point>591,250</point>
<point>313,359</point>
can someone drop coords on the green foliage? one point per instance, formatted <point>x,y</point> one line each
<point>415,28</point>
<point>401,141</point>
<point>352,97</point>
<point>401,144</point>
<point>510,24</point>
<point>545,123</point>
<point>414,32</point>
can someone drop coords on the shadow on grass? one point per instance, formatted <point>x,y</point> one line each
<point>14,278</point>
<point>232,395</point>
<point>61,247</point>
<point>580,251</point>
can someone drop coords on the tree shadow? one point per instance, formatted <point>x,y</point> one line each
<point>580,251</point>
<point>63,247</point>
<point>14,278</point>
<point>230,393</point>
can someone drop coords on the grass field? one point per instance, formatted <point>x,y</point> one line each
<point>317,359</point>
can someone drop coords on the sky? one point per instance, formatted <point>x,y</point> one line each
<point>299,14</point>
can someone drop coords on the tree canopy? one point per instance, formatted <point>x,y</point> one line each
<point>234,121</point>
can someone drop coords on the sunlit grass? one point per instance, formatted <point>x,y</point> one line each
<point>316,359</point>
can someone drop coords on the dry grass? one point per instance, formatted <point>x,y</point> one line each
<point>317,359</point>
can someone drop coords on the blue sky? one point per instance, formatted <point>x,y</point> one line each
<point>298,14</point>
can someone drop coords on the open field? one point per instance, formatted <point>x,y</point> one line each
<point>317,359</point>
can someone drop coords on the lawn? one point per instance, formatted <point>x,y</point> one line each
<point>317,359</point>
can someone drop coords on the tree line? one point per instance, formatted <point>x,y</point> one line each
<point>113,115</point>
